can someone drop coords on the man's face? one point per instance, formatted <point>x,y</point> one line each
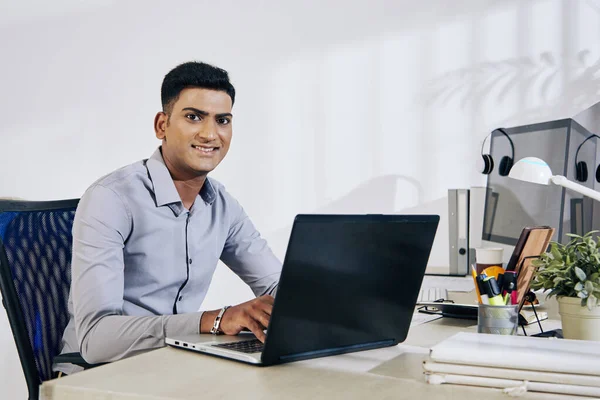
<point>197,134</point>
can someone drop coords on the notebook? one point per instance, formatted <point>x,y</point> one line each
<point>348,283</point>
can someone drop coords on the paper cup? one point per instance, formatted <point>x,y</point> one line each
<point>488,257</point>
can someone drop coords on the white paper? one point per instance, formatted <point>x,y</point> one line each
<point>422,318</point>
<point>361,361</point>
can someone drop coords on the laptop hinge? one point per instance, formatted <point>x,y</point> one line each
<point>337,350</point>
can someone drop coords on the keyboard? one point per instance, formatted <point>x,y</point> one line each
<point>429,295</point>
<point>244,346</point>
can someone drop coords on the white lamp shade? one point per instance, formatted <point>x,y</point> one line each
<point>531,169</point>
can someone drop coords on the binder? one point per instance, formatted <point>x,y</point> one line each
<point>458,225</point>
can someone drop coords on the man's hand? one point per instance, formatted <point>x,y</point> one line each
<point>253,315</point>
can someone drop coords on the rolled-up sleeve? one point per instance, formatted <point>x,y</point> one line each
<point>101,227</point>
<point>248,255</point>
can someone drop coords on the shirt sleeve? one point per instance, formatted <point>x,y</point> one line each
<point>248,255</point>
<point>101,227</point>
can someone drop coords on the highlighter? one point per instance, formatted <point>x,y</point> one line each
<point>497,272</point>
<point>493,291</point>
<point>514,297</point>
<point>483,294</point>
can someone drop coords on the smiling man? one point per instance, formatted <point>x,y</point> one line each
<point>147,238</point>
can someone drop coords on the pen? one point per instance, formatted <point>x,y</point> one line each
<point>477,286</point>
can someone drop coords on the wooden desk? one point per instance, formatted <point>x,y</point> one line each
<point>167,373</point>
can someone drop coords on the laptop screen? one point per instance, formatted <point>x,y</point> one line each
<point>348,280</point>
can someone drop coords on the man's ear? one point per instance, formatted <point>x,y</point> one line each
<point>160,125</point>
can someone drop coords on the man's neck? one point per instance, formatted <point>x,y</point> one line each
<point>189,189</point>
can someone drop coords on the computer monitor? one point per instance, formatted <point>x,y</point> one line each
<point>511,205</point>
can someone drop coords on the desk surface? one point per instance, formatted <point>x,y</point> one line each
<point>167,373</point>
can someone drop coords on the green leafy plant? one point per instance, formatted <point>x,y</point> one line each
<point>571,270</point>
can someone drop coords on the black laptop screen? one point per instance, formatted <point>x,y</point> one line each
<point>349,280</point>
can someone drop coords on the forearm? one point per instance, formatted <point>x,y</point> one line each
<point>208,320</point>
<point>113,337</point>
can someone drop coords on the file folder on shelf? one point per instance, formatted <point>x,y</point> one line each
<point>458,225</point>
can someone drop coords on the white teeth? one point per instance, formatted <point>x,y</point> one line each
<point>204,149</point>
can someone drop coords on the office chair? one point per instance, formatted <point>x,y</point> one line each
<point>35,276</point>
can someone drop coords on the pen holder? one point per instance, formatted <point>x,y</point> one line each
<point>500,320</point>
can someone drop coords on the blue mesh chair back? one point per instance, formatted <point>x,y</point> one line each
<point>35,275</point>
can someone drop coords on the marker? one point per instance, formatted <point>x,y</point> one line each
<point>493,291</point>
<point>509,287</point>
<point>514,296</point>
<point>510,282</point>
<point>484,296</point>
<point>500,280</point>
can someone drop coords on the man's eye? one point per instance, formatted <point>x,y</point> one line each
<point>193,117</point>
<point>224,121</point>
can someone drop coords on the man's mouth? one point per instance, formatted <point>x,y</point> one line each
<point>205,149</point>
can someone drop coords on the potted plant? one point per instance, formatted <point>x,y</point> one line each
<point>572,273</point>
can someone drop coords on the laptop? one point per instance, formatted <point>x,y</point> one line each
<point>348,283</point>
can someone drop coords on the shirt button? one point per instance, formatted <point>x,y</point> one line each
<point>190,260</point>
<point>180,297</point>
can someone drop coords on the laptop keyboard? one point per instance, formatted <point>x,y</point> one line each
<point>432,294</point>
<point>246,346</point>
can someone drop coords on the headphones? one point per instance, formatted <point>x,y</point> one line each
<point>506,162</point>
<point>581,171</point>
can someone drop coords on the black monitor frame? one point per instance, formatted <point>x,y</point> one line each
<point>491,202</point>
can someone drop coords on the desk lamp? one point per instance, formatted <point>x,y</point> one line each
<point>535,170</point>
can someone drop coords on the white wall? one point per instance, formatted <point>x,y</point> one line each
<point>343,106</point>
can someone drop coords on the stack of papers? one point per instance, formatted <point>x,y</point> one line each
<point>516,364</point>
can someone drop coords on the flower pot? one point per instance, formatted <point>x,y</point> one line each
<point>578,322</point>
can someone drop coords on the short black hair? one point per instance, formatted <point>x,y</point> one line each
<point>193,74</point>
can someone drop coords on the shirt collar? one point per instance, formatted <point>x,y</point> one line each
<point>164,188</point>
<point>208,192</point>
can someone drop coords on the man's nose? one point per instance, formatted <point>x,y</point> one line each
<point>208,133</point>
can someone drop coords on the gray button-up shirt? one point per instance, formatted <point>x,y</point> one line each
<point>142,263</point>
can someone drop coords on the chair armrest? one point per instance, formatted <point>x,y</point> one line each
<point>74,358</point>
